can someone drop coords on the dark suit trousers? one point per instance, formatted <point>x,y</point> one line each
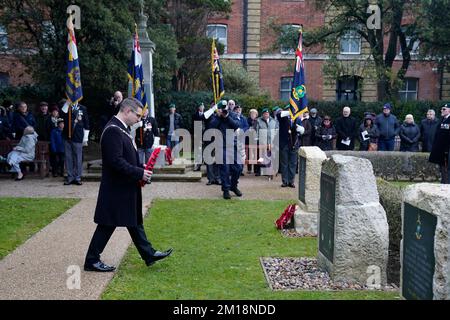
<point>102,235</point>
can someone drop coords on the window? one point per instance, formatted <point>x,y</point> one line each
<point>48,34</point>
<point>218,32</point>
<point>285,31</point>
<point>408,92</point>
<point>351,42</point>
<point>347,88</point>
<point>3,38</point>
<point>4,79</point>
<point>415,46</point>
<point>285,88</point>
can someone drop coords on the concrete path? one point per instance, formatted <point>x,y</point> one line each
<point>42,267</point>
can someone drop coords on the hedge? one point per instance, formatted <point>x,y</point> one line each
<point>391,200</point>
<point>398,166</point>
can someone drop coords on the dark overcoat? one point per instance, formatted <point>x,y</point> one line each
<point>119,200</point>
<point>441,143</point>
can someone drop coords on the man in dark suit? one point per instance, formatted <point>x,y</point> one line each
<point>440,152</point>
<point>119,202</point>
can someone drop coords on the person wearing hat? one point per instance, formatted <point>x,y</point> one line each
<point>388,127</point>
<point>57,149</point>
<point>289,141</point>
<point>440,152</point>
<point>316,121</point>
<point>229,166</point>
<point>266,132</point>
<point>368,134</point>
<point>43,122</point>
<point>172,122</point>
<point>325,134</point>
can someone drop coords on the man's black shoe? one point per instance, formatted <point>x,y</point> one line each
<point>226,195</point>
<point>158,255</point>
<point>237,192</point>
<point>78,183</point>
<point>284,185</point>
<point>292,185</point>
<point>99,267</point>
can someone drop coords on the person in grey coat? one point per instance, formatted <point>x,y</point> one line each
<point>409,135</point>
<point>428,128</point>
<point>24,151</point>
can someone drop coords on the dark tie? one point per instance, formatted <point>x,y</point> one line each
<point>129,129</point>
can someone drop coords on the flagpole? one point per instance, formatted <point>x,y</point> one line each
<point>212,71</point>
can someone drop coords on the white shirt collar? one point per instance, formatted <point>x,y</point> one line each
<point>126,127</point>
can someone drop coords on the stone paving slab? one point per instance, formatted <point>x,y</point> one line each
<point>38,268</point>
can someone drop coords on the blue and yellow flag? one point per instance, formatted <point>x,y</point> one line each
<point>217,76</point>
<point>298,100</point>
<point>74,91</point>
<point>136,73</point>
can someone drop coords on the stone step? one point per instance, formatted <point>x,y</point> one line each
<point>190,176</point>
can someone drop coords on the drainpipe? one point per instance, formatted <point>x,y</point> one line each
<point>441,68</point>
<point>245,30</point>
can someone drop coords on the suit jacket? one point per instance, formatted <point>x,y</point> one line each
<point>79,123</point>
<point>119,200</point>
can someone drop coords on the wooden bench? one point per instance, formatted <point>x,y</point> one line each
<point>41,160</point>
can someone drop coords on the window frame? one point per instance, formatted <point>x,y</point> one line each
<point>405,92</point>
<point>288,91</point>
<point>290,50</point>
<point>346,36</point>
<point>219,39</point>
<point>4,44</point>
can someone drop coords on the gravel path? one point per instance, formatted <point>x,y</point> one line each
<point>38,269</point>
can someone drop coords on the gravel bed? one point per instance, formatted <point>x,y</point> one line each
<point>303,274</point>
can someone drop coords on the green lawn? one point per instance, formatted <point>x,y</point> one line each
<point>217,245</point>
<point>23,217</point>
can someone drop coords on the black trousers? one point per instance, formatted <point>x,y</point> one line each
<point>102,235</point>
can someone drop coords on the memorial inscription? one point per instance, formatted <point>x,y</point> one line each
<point>327,215</point>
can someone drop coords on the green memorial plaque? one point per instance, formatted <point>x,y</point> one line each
<point>327,215</point>
<point>418,263</point>
<point>302,179</point>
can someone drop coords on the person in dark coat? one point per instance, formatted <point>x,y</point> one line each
<point>428,129</point>
<point>212,166</point>
<point>368,133</point>
<point>57,149</point>
<point>22,119</point>
<point>307,135</point>
<point>388,127</point>
<point>409,135</point>
<point>346,130</point>
<point>289,142</point>
<point>119,202</point>
<point>5,128</point>
<point>316,122</point>
<point>43,122</point>
<point>198,120</point>
<point>440,152</point>
<point>145,136</point>
<point>325,134</point>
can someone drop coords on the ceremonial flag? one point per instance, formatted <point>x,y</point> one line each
<point>74,91</point>
<point>136,74</point>
<point>298,100</point>
<point>217,76</point>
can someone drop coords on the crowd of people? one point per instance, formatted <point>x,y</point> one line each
<point>67,133</point>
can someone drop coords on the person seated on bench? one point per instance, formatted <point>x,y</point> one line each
<point>24,151</point>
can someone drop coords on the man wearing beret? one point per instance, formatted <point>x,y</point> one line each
<point>440,152</point>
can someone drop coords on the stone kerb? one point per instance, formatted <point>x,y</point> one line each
<point>353,230</point>
<point>425,244</point>
<point>310,166</point>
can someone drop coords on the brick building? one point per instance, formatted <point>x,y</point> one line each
<point>249,39</point>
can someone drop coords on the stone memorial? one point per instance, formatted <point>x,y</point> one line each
<point>353,230</point>
<point>310,166</point>
<point>425,245</point>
